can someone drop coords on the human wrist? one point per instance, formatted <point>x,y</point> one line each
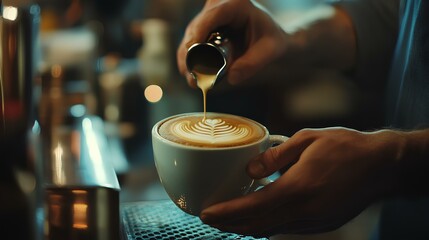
<point>412,162</point>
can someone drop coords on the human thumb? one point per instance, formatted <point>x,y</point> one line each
<point>264,164</point>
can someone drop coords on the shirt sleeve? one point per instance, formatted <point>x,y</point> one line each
<point>376,26</point>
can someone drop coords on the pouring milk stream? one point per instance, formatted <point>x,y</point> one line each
<point>207,62</point>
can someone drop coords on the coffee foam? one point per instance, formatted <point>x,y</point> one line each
<point>214,131</point>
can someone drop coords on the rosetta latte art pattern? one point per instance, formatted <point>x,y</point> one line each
<point>210,131</point>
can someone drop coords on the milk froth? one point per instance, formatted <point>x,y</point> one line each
<point>214,131</point>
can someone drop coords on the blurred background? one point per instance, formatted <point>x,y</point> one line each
<point>125,52</point>
<point>117,60</point>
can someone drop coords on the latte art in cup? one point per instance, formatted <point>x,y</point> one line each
<point>209,131</point>
<point>213,131</point>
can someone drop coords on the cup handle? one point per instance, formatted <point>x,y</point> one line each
<point>277,139</point>
<point>259,183</point>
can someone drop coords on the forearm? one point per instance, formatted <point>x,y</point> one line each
<point>329,41</point>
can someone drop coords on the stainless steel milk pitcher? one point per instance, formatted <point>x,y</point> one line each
<point>215,54</point>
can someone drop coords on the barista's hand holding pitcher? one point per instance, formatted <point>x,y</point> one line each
<point>264,42</point>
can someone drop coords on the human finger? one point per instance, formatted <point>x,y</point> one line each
<point>257,56</point>
<point>278,157</point>
<point>212,17</point>
<point>182,50</point>
<point>216,14</point>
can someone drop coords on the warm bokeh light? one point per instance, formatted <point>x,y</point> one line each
<point>80,215</point>
<point>58,176</point>
<point>56,71</point>
<point>10,13</point>
<point>153,93</point>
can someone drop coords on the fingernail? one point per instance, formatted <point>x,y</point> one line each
<point>189,43</point>
<point>189,77</point>
<point>191,80</point>
<point>256,168</point>
<point>206,218</point>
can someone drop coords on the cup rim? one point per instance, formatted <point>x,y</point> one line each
<point>156,134</point>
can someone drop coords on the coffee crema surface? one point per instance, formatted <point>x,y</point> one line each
<point>213,131</point>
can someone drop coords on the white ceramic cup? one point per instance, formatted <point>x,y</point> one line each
<point>197,177</point>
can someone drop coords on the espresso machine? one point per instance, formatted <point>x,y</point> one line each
<point>56,177</point>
